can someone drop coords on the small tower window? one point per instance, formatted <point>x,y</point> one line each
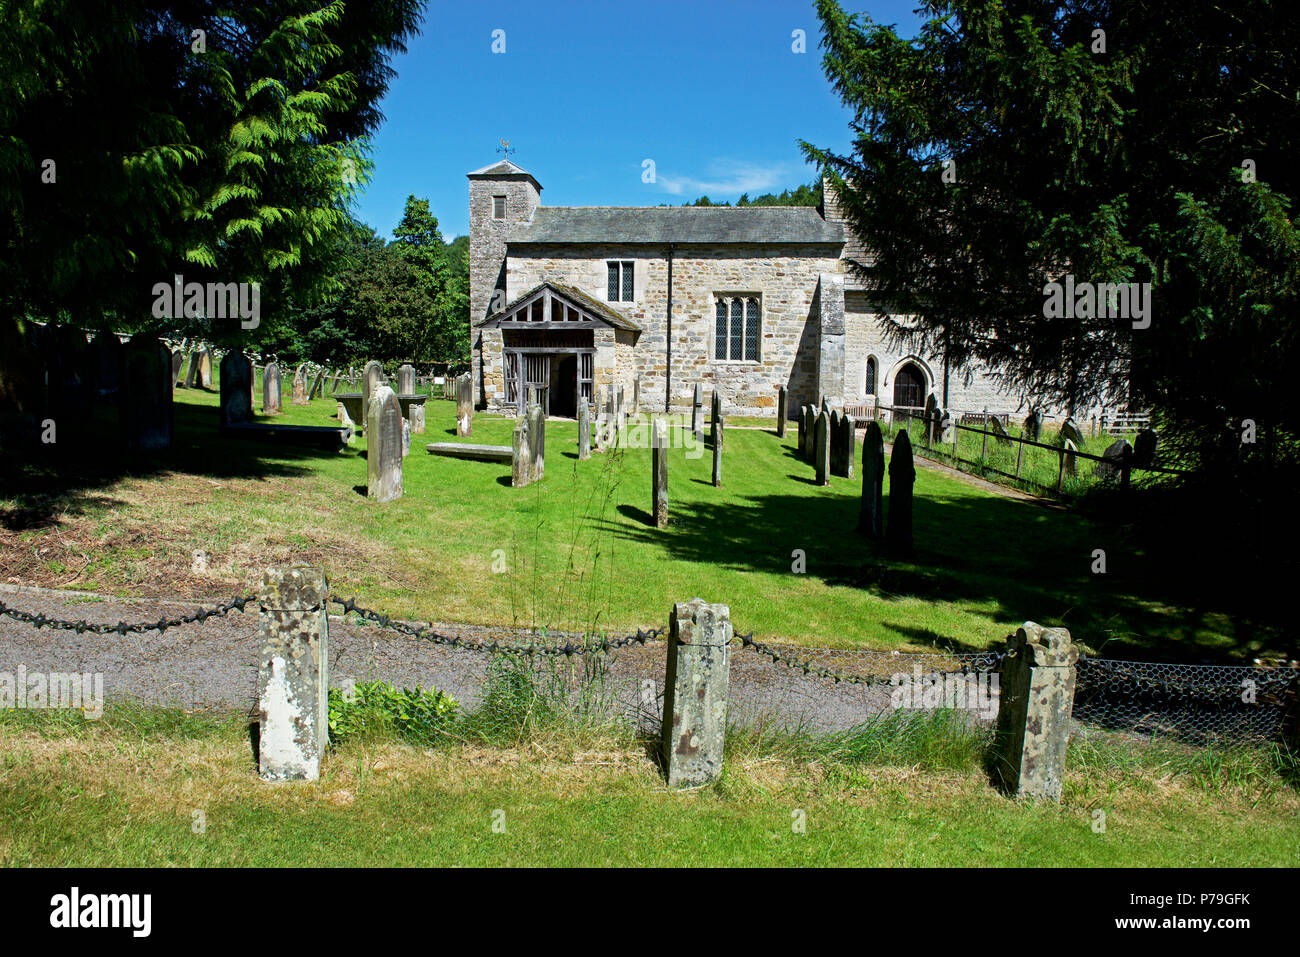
<point>498,207</point>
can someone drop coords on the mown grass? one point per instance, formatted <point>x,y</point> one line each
<point>133,788</point>
<point>577,550</point>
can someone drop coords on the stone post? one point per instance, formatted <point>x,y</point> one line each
<point>780,412</point>
<point>719,431</point>
<point>902,474</point>
<point>697,406</point>
<point>659,473</point>
<point>384,446</point>
<point>537,441</point>
<point>1034,705</point>
<point>464,404</point>
<point>521,462</point>
<point>801,445</point>
<point>822,448</point>
<point>695,693</point>
<point>584,429</point>
<point>293,674</point>
<point>871,514</point>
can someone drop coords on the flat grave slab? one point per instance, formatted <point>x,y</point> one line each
<point>468,450</point>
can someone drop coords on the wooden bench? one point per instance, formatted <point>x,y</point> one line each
<point>467,450</point>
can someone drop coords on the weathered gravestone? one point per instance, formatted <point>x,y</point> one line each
<point>846,441</point>
<point>299,394</point>
<point>998,430</point>
<point>780,412</point>
<point>192,370</point>
<point>822,448</point>
<point>521,460</point>
<point>659,474</point>
<point>902,475</point>
<point>1114,459</point>
<point>871,513</point>
<point>584,429</point>
<point>145,395</point>
<point>384,446</point>
<point>405,380</point>
<point>105,363</point>
<point>537,440</point>
<point>636,395</point>
<point>696,681</point>
<point>372,377</point>
<point>620,421</point>
<point>464,404</point>
<point>602,426</point>
<point>697,407</point>
<point>317,386</point>
<point>1033,426</point>
<point>271,394</point>
<point>205,368</point>
<point>236,385</point>
<point>1071,431</point>
<point>801,440</point>
<point>1145,446</point>
<point>715,413</point>
<point>719,436</point>
<point>1035,702</point>
<point>1068,448</point>
<point>178,361</point>
<point>931,416</point>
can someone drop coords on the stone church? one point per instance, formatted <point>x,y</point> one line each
<point>575,299</point>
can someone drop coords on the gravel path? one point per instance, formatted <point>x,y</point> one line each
<point>214,664</point>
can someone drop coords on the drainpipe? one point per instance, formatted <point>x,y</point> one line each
<point>668,345</point>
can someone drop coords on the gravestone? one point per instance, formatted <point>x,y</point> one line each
<point>871,514</point>
<point>236,385</point>
<point>384,446</point>
<point>105,363</point>
<point>521,461</point>
<point>192,370</point>
<point>372,377</point>
<point>317,389</point>
<point>843,439</point>
<point>780,412</point>
<point>584,429</point>
<point>810,432</point>
<point>178,362</point>
<point>902,475</point>
<point>998,430</point>
<point>537,440</point>
<point>1114,458</point>
<point>715,413</point>
<point>405,380</point>
<point>696,684</point>
<point>464,404</point>
<point>636,395</point>
<point>719,435</point>
<point>931,416</point>
<point>801,441</point>
<point>299,393</point>
<point>145,395</point>
<point>620,421</point>
<point>697,407</point>
<point>1068,449</point>
<point>205,368</point>
<point>1145,446</point>
<point>1071,431</point>
<point>271,395</point>
<point>1033,426</point>
<point>659,473</point>
<point>822,448</point>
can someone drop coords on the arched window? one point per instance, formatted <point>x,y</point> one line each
<point>909,387</point>
<point>870,387</point>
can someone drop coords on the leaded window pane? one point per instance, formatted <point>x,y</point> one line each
<point>611,288</point>
<point>737,328</point>
<point>751,329</point>
<point>720,337</point>
<point>627,282</point>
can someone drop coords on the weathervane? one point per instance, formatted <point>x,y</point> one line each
<point>505,148</point>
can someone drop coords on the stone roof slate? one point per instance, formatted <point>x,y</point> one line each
<point>677,224</point>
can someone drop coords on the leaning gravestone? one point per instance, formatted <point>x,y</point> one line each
<point>871,513</point>
<point>178,361</point>
<point>822,448</point>
<point>271,395</point>
<point>405,380</point>
<point>317,386</point>
<point>998,430</point>
<point>464,404</point>
<point>299,393</point>
<point>384,446</point>
<point>1113,459</point>
<point>1071,431</point>
<point>584,429</point>
<point>659,473</point>
<point>537,440</point>
<point>145,395</point>
<point>521,460</point>
<point>236,389</point>
<point>1145,446</point>
<point>902,475</point>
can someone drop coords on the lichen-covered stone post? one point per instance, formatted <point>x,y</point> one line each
<point>695,693</point>
<point>659,473</point>
<point>719,433</point>
<point>1034,705</point>
<point>584,429</point>
<point>293,674</point>
<point>780,412</point>
<point>822,448</point>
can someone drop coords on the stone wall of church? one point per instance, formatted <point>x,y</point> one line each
<point>784,276</point>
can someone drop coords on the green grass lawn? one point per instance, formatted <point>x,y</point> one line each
<point>577,551</point>
<point>75,796</point>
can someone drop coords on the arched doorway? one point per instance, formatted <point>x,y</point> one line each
<point>909,387</point>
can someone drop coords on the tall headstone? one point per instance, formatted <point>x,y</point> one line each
<point>236,384</point>
<point>715,413</point>
<point>372,377</point>
<point>843,440</point>
<point>822,448</point>
<point>299,394</point>
<point>659,473</point>
<point>636,395</point>
<point>192,370</point>
<point>384,446</point>
<point>801,446</point>
<point>317,389</point>
<point>780,412</point>
<point>205,368</point>
<point>406,380</point>
<point>464,404</point>
<point>719,436</point>
<point>271,389</point>
<point>871,515</point>
<point>902,475</point>
<point>584,429</point>
<point>696,684</point>
<point>178,362</point>
<point>145,395</point>
<point>537,440</point>
<point>697,409</point>
<point>521,459</point>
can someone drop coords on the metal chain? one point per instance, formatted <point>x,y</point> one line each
<point>817,671</point>
<point>569,648</point>
<point>122,627</point>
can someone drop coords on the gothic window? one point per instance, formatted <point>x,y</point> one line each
<point>736,333</point>
<point>870,387</point>
<point>619,287</point>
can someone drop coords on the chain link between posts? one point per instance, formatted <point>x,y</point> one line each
<point>125,628</point>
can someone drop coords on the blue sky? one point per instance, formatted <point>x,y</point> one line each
<point>710,90</point>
